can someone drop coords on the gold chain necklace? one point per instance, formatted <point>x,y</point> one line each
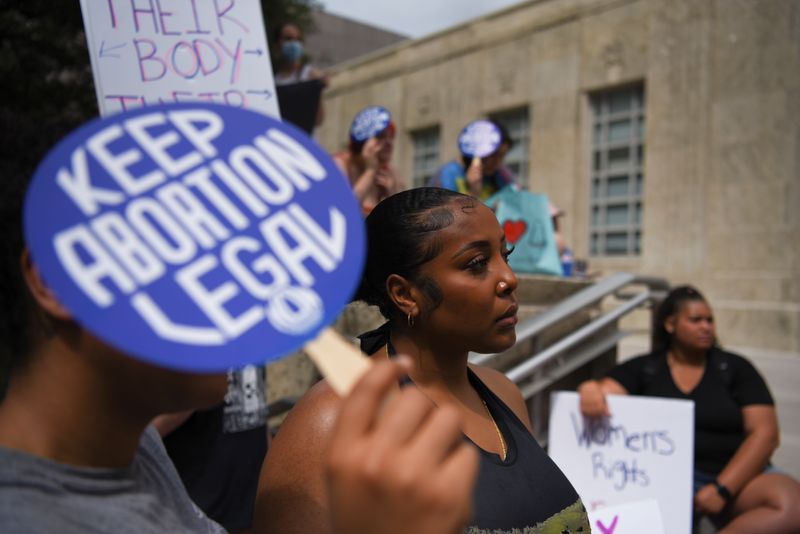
<point>496,428</point>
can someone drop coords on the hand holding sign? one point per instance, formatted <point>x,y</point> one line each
<point>643,450</point>
<point>593,400</point>
<point>370,153</point>
<point>196,236</point>
<point>475,175</point>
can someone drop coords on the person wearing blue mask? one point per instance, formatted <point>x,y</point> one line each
<point>290,61</point>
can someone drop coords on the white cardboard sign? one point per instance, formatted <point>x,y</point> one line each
<point>166,51</point>
<point>644,450</point>
<point>632,518</point>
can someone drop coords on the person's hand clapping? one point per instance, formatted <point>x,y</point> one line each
<point>397,463</point>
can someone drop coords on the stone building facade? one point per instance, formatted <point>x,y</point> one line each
<point>668,130</point>
<point>335,39</point>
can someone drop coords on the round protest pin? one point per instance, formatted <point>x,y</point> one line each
<point>369,122</point>
<point>479,139</point>
<point>195,236</point>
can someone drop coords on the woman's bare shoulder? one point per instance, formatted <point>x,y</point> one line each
<point>292,495</point>
<point>504,388</point>
<point>313,415</point>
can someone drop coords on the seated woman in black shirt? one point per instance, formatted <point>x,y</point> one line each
<point>736,428</point>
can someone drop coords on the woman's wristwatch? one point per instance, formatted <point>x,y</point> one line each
<point>723,491</point>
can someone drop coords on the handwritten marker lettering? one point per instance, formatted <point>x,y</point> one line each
<point>638,459</point>
<point>106,51</point>
<point>147,53</point>
<point>599,432</point>
<point>607,529</point>
<point>622,472</point>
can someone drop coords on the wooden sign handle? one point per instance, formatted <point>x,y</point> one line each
<point>340,362</point>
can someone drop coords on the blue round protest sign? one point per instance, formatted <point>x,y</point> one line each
<point>479,139</point>
<point>195,236</point>
<point>369,122</point>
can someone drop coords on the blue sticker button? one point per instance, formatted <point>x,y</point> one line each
<point>479,139</point>
<point>195,236</point>
<point>369,122</point>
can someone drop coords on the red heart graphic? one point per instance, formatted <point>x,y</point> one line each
<point>514,230</point>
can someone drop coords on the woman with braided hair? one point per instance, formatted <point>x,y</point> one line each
<point>437,270</point>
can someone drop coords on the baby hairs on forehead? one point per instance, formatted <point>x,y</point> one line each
<point>402,236</point>
<point>676,299</point>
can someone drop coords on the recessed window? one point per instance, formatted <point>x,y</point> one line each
<point>426,155</point>
<point>617,172</point>
<point>517,159</point>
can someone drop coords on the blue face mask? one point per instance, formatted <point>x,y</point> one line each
<point>292,51</point>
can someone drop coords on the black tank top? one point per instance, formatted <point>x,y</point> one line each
<point>526,492</point>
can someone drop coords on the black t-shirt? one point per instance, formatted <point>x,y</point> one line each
<point>729,383</point>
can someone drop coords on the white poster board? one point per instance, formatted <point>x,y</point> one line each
<point>632,518</point>
<point>153,52</point>
<point>644,450</point>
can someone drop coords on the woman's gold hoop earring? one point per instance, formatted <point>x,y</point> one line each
<point>410,320</point>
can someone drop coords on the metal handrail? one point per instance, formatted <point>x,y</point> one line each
<point>528,367</point>
<point>534,326</point>
<point>578,302</point>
